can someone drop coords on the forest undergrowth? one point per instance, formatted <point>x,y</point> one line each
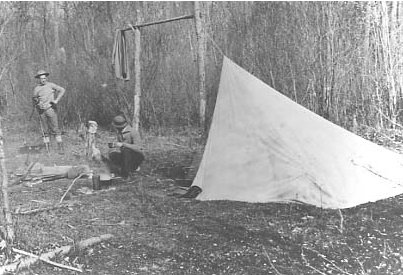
<point>156,232</point>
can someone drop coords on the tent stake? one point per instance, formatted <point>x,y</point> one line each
<point>341,221</point>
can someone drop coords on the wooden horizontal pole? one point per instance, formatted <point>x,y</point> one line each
<point>160,22</point>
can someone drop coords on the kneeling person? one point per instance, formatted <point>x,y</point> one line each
<point>125,157</point>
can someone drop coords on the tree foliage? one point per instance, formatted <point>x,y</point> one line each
<point>339,59</point>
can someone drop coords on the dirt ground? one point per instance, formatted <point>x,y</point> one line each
<point>156,232</point>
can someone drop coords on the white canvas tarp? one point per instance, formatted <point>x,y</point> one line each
<point>264,147</point>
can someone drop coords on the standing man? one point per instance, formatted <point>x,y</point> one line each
<point>125,157</point>
<point>45,98</point>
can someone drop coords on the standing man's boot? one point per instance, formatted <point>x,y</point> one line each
<point>47,147</point>
<point>60,147</point>
<point>46,141</point>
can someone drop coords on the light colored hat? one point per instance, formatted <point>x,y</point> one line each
<point>41,72</point>
<point>119,122</point>
<point>92,127</point>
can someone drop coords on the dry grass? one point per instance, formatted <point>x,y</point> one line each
<point>158,233</point>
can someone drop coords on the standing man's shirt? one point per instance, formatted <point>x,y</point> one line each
<point>45,94</point>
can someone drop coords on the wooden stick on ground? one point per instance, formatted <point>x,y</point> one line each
<point>42,209</point>
<point>270,262</point>
<point>71,185</point>
<point>327,260</point>
<point>25,263</point>
<point>45,260</point>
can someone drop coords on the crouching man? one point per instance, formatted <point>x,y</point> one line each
<point>124,156</point>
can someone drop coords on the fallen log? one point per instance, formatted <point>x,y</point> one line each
<point>25,175</point>
<point>25,263</point>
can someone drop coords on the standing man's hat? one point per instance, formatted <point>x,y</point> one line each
<point>41,72</point>
<point>119,122</point>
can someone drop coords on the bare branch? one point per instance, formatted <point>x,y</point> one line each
<point>22,252</point>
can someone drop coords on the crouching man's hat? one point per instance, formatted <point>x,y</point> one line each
<point>119,122</point>
<point>41,72</point>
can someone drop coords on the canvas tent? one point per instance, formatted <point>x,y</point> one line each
<point>264,147</point>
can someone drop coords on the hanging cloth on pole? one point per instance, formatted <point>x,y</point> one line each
<point>119,56</point>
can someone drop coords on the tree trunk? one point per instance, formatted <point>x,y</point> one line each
<point>56,25</point>
<point>137,79</point>
<point>201,63</point>
<point>45,41</point>
<point>386,28</point>
<point>366,69</point>
<point>4,188</point>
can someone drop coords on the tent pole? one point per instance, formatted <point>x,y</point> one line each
<point>137,79</point>
<point>159,22</point>
<point>137,65</point>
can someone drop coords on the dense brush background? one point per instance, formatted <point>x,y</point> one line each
<point>342,60</point>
